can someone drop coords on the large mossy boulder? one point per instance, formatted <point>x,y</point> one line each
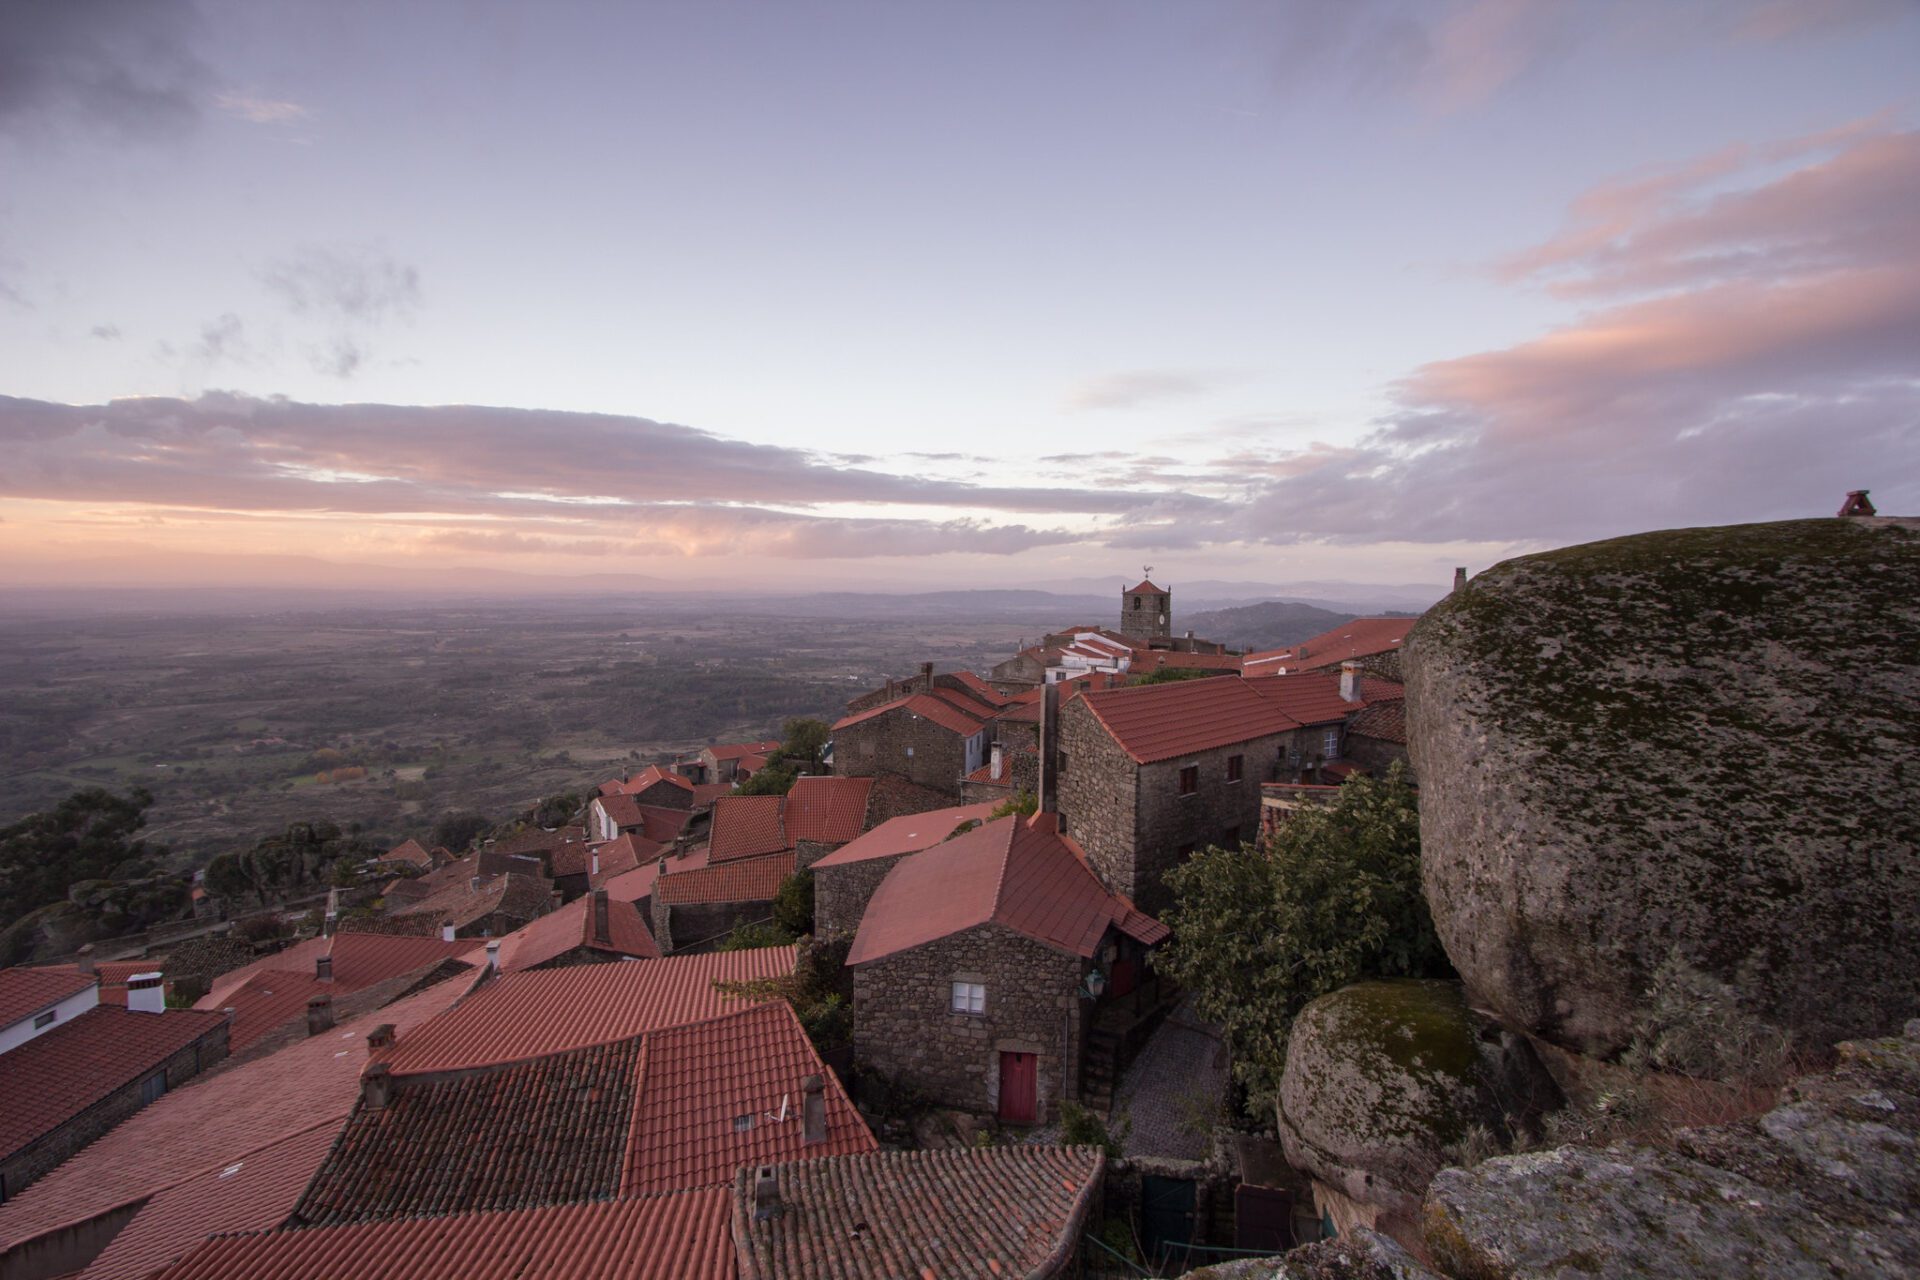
<point>1823,1185</point>
<point>1701,745</point>
<point>1382,1077</point>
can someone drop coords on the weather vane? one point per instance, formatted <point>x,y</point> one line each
<point>1147,571</point>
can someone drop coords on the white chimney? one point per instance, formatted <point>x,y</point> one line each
<point>593,863</point>
<point>446,931</point>
<point>145,995</point>
<point>83,960</point>
<point>998,766</point>
<point>1350,681</point>
<point>493,955</point>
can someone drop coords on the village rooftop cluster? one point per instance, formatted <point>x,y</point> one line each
<point>531,1060</point>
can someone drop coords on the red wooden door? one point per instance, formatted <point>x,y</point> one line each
<point>1122,981</point>
<point>1019,1087</point>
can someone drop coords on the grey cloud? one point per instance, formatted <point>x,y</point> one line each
<point>223,338</point>
<point>356,282</point>
<point>129,66</point>
<point>106,332</point>
<point>1132,389</point>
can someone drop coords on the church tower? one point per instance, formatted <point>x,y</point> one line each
<point>1146,611</point>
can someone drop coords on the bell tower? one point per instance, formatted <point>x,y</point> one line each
<point>1146,611</point>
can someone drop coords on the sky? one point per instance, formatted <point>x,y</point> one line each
<point>942,295</point>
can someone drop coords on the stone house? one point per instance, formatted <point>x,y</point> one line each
<point>596,929</point>
<point>696,908</point>
<point>1377,738</point>
<point>655,786</point>
<point>1146,776</point>
<point>845,879</point>
<point>930,740</point>
<point>722,763</point>
<point>821,814</point>
<point>72,1068</point>
<point>1372,642</point>
<point>611,816</point>
<point>979,964</point>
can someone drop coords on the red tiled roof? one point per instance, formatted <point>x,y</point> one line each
<point>738,880</point>
<point>111,974</point>
<point>697,1080</point>
<point>1179,660</point>
<point>907,834</point>
<point>535,840</point>
<point>1145,587</point>
<point>651,776</point>
<point>216,1120</point>
<point>981,689</point>
<point>993,1211</point>
<point>62,1071</point>
<point>654,821</point>
<point>1020,873</point>
<point>1313,697</point>
<point>1361,638</point>
<point>518,897</point>
<point>559,932</point>
<point>944,714</point>
<point>1386,721</point>
<point>631,886</point>
<point>274,989</point>
<point>748,765</point>
<point>827,810</point>
<point>408,851</point>
<point>25,992</point>
<point>254,1193</point>
<point>621,855</point>
<point>705,793</point>
<point>975,707</point>
<point>684,1236</point>
<point>526,1015</point>
<point>1160,721</point>
<point>746,827</point>
<point>734,750</point>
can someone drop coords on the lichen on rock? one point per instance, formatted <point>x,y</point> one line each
<point>1701,743</point>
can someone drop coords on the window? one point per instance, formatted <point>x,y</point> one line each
<point>1333,745</point>
<point>1236,765</point>
<point>1136,602</point>
<point>1189,779</point>
<point>969,997</point>
<point>743,1123</point>
<point>153,1087</point>
<point>45,1019</point>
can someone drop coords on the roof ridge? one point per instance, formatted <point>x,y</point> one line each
<point>1006,858</point>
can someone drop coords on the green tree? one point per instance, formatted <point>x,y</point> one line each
<point>87,836</point>
<point>803,738</point>
<point>556,810</point>
<point>793,904</point>
<point>1332,896</point>
<point>1168,675</point>
<point>456,831</point>
<point>1021,802</point>
<point>774,780</point>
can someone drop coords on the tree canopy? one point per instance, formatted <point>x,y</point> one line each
<point>1331,897</point>
<point>774,780</point>
<point>87,836</point>
<point>803,737</point>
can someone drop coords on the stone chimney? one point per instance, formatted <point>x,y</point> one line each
<point>602,926</point>
<point>493,956</point>
<point>473,884</point>
<point>376,1086</point>
<point>766,1194</point>
<point>145,995</point>
<point>447,931</point>
<point>319,1014</point>
<point>83,959</point>
<point>381,1037</point>
<point>996,762</point>
<point>926,677</point>
<point>813,1110</point>
<point>323,968</point>
<point>1460,578</point>
<point>1049,746</point>
<point>1350,681</point>
<point>556,900</point>
<point>1856,504</point>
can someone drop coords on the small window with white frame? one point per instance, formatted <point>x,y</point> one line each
<point>1333,744</point>
<point>969,997</point>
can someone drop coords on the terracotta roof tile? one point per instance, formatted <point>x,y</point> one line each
<point>631,886</point>
<point>1019,873</point>
<point>1360,638</point>
<point>1386,721</point>
<point>572,926</point>
<point>621,855</point>
<point>527,1015</point>
<point>648,778</point>
<point>1313,697</point>
<point>215,1120</point>
<point>1161,721</point>
<point>747,826</point>
<point>254,1193</point>
<point>944,714</point>
<point>25,992</point>
<point>274,990</point>
<point>518,897</point>
<point>908,834</point>
<point>734,750</point>
<point>992,1212</point>
<point>978,708</point>
<point>536,840</point>
<point>981,689</point>
<point>1145,587</point>
<point>826,810</point>
<point>409,851</point>
<point>738,880</point>
<point>684,1236</point>
<point>61,1072</point>
<point>698,1081</point>
<point>705,793</point>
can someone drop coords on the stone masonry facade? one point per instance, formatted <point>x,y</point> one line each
<point>700,925</point>
<point>1131,818</point>
<point>44,1153</point>
<point>911,746</point>
<point>905,1029</point>
<point>841,894</point>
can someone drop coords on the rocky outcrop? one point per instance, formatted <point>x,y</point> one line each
<point>1823,1185</point>
<point>1359,1255</point>
<point>1702,744</point>
<point>1382,1076</point>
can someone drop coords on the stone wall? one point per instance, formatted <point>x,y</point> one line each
<point>699,925</point>
<point>43,1154</point>
<point>904,1027</point>
<point>1377,755</point>
<point>808,852</point>
<point>895,797</point>
<point>1132,820</point>
<point>841,894</point>
<point>900,742</point>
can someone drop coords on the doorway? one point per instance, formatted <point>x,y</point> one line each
<point>1019,1087</point>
